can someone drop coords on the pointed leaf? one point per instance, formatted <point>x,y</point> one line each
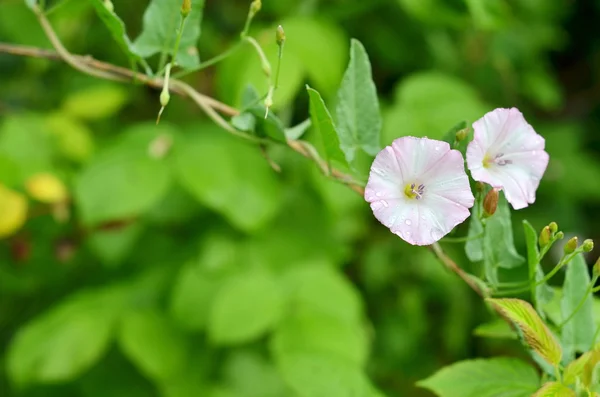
<point>506,377</point>
<point>323,124</point>
<point>116,27</point>
<point>161,22</point>
<point>578,332</point>
<point>575,369</point>
<point>499,243</point>
<point>358,117</point>
<point>554,389</point>
<point>536,333</point>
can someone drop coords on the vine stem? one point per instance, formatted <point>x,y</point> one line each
<point>212,107</point>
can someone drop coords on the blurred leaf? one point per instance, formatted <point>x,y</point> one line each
<point>116,27</point>
<point>17,135</point>
<point>13,211</point>
<point>578,333</point>
<point>474,246</point>
<point>358,117</point>
<point>250,375</point>
<point>161,23</point>
<point>120,184</point>
<point>323,124</point>
<point>74,139</point>
<point>542,87</point>
<point>554,389</point>
<point>298,130</point>
<point>576,368</point>
<point>112,246</point>
<point>499,247</point>
<point>488,14</point>
<point>96,102</point>
<point>434,12</point>
<point>314,375</point>
<point>64,342</point>
<point>215,169</point>
<point>245,308</point>
<point>484,378</point>
<point>426,103</point>
<point>536,333</point>
<point>150,341</point>
<point>495,329</point>
<point>312,331</point>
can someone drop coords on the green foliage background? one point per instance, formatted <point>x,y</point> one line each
<point>206,273</point>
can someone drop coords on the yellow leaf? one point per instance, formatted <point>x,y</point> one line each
<point>536,333</point>
<point>13,211</point>
<point>554,389</point>
<point>96,103</point>
<point>575,369</point>
<point>46,188</point>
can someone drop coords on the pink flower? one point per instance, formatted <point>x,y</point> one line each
<point>419,189</point>
<point>508,154</point>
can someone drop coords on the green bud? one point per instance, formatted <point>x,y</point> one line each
<point>587,245</point>
<point>553,227</point>
<point>280,36</point>
<point>544,238</point>
<point>255,8</point>
<point>571,245</point>
<point>109,5</point>
<point>461,135</point>
<point>186,8</point>
<point>560,235</point>
<point>596,268</point>
<point>164,97</point>
<point>490,203</point>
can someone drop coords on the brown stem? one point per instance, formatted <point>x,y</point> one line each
<point>91,66</point>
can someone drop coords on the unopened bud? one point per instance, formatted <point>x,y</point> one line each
<point>255,8</point>
<point>280,36</point>
<point>461,135</point>
<point>490,203</point>
<point>165,97</point>
<point>587,245</point>
<point>553,227</point>
<point>186,8</point>
<point>544,239</point>
<point>571,245</point>
<point>109,5</point>
<point>560,235</point>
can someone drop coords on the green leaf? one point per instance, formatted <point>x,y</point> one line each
<point>116,27</point>
<point>161,22</point>
<point>358,117</point>
<point>96,102</point>
<point>245,308</point>
<point>554,389</point>
<point>536,333</point>
<point>124,181</point>
<point>323,124</point>
<point>543,293</point>
<point>506,377</point>
<point>474,246</point>
<point>495,329</point>
<point>297,131</point>
<point>315,375</point>
<point>66,341</point>
<point>499,244</point>
<point>74,139</point>
<point>578,332</point>
<point>228,176</point>
<point>113,245</point>
<point>150,341</point>
<point>251,375</point>
<point>576,368</point>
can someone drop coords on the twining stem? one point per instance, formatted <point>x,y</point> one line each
<point>211,61</point>
<point>581,302</point>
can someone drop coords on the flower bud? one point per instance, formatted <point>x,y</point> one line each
<point>490,203</point>
<point>280,36</point>
<point>186,8</point>
<point>255,8</point>
<point>596,268</point>
<point>553,227</point>
<point>461,135</point>
<point>165,97</point>
<point>560,235</point>
<point>587,245</point>
<point>544,238</point>
<point>571,245</point>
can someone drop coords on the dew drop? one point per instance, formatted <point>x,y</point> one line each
<point>378,194</point>
<point>407,234</point>
<point>385,203</point>
<point>408,222</point>
<point>437,148</point>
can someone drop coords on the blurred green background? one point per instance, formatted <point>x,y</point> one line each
<point>183,265</point>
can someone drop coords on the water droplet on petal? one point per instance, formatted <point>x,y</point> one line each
<point>408,222</point>
<point>385,203</point>
<point>437,148</point>
<point>407,234</point>
<point>378,194</point>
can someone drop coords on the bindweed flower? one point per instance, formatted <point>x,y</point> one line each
<point>508,154</point>
<point>418,188</point>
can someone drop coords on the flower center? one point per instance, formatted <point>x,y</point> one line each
<point>498,159</point>
<point>414,192</point>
